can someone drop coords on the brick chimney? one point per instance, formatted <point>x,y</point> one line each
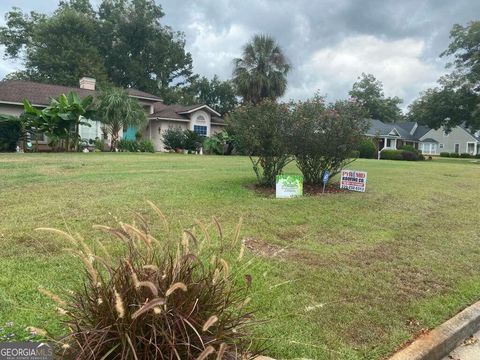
<point>87,83</point>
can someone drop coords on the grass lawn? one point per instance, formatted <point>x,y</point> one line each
<point>360,273</point>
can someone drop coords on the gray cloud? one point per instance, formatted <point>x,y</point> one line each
<point>329,42</point>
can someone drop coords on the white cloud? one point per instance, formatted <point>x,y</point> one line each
<point>213,52</point>
<point>397,63</point>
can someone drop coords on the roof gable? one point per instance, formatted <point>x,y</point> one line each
<point>182,112</point>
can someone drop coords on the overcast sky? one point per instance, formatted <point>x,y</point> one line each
<point>329,42</point>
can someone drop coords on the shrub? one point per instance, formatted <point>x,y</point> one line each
<point>261,132</point>
<point>409,155</point>
<point>409,148</point>
<point>367,149</point>
<point>391,155</point>
<point>213,145</point>
<point>146,145</point>
<point>454,155</point>
<point>127,145</point>
<point>174,139</point>
<point>10,134</point>
<point>465,155</point>
<point>192,141</point>
<point>323,137</point>
<point>135,146</point>
<point>218,144</point>
<point>477,156</point>
<point>160,299</point>
<point>355,154</point>
<point>444,154</point>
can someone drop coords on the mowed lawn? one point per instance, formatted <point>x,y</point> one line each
<point>359,274</point>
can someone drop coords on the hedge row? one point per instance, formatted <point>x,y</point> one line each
<point>455,155</point>
<point>401,155</point>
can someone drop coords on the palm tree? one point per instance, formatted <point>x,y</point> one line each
<point>261,71</point>
<point>117,110</point>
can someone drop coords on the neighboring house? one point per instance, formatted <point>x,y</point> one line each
<point>199,118</point>
<point>428,141</point>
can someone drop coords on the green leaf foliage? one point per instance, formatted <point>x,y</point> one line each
<point>368,91</point>
<point>117,110</point>
<point>261,72</point>
<point>120,42</point>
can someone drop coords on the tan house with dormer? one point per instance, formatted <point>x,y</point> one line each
<point>199,118</point>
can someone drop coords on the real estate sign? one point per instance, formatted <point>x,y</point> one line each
<point>353,180</point>
<point>289,186</point>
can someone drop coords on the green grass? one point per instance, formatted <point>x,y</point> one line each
<point>374,268</point>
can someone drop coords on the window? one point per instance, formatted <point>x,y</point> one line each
<point>389,143</point>
<point>200,130</point>
<point>38,137</point>
<point>428,148</point>
<point>201,119</point>
<point>441,146</point>
<point>457,148</point>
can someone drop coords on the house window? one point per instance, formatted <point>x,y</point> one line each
<point>38,137</point>
<point>389,143</point>
<point>457,148</point>
<point>428,148</point>
<point>441,146</point>
<point>200,130</point>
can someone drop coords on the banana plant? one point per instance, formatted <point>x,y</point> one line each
<point>62,118</point>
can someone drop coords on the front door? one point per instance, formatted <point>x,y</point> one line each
<point>457,148</point>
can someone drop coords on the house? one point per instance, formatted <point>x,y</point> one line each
<point>428,141</point>
<point>199,118</point>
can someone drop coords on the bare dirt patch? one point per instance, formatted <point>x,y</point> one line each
<point>262,248</point>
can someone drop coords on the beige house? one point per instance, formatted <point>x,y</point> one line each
<point>199,118</point>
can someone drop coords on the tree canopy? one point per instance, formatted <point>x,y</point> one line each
<point>122,42</point>
<point>261,72</point>
<point>455,100</point>
<point>465,49</point>
<point>219,95</point>
<point>368,91</point>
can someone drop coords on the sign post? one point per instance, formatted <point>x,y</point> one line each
<point>326,176</point>
<point>353,180</point>
<point>289,186</point>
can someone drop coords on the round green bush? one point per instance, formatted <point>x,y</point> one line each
<point>391,155</point>
<point>409,155</point>
<point>367,149</point>
<point>465,156</point>
<point>444,154</point>
<point>409,148</point>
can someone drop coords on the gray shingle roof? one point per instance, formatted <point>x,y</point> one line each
<point>404,129</point>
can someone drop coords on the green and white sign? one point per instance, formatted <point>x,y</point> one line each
<point>289,186</point>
